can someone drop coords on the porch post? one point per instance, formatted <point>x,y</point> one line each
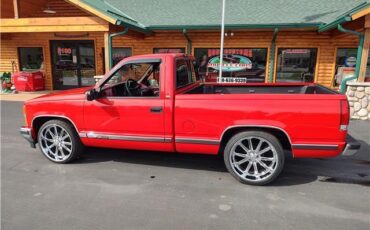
<point>365,54</point>
<point>15,7</point>
<point>272,56</point>
<point>106,51</point>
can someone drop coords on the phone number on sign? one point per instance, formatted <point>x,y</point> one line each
<point>231,80</point>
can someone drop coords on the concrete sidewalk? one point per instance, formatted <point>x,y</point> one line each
<point>22,96</point>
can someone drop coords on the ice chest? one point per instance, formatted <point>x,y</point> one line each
<point>29,81</point>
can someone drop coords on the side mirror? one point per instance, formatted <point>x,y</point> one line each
<point>92,94</point>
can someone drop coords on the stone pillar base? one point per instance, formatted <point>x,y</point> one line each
<point>358,95</point>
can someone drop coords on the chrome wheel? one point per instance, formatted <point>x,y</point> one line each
<point>55,142</point>
<point>253,158</point>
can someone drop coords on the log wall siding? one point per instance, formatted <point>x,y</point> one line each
<point>10,45</point>
<point>7,9</point>
<point>325,42</point>
<point>35,8</point>
<point>61,7</point>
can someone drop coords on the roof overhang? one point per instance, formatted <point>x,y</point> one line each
<point>313,26</point>
<point>351,15</point>
<point>93,11</point>
<point>110,15</point>
<point>54,24</point>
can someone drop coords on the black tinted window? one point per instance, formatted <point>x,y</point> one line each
<point>182,73</point>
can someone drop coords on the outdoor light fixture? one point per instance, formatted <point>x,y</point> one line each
<point>48,10</point>
<point>229,34</point>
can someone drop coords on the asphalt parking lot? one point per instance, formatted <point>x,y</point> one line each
<point>120,189</point>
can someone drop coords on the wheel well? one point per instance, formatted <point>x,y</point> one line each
<point>279,134</point>
<point>39,121</point>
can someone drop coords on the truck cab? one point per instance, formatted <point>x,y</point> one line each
<point>135,101</point>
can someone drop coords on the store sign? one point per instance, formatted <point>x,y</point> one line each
<point>350,61</point>
<point>296,51</point>
<point>240,51</point>
<point>64,51</point>
<point>168,50</point>
<point>231,63</point>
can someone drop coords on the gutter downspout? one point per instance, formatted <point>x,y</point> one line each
<point>189,46</point>
<point>272,56</point>
<point>110,43</point>
<point>343,85</point>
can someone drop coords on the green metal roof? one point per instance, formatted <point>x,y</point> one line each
<point>206,14</point>
<point>110,10</point>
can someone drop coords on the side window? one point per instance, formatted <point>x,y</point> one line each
<point>135,80</point>
<point>184,73</point>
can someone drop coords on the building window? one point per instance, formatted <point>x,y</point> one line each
<point>296,65</point>
<point>239,64</point>
<point>30,58</point>
<point>345,64</point>
<point>119,53</point>
<point>168,50</point>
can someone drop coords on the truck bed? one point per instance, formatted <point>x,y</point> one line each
<point>310,114</point>
<point>260,89</point>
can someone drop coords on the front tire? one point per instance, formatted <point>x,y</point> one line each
<point>59,141</point>
<point>254,157</point>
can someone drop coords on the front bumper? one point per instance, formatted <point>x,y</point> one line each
<point>352,146</point>
<point>27,134</point>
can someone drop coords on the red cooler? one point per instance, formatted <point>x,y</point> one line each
<point>29,81</point>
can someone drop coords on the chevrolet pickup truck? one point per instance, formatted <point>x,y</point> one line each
<point>156,102</point>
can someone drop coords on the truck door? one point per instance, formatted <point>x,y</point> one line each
<point>129,111</point>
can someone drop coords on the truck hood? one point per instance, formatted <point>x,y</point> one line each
<point>70,94</point>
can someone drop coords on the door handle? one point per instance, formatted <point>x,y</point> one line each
<point>156,109</point>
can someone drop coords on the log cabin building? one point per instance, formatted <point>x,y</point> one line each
<point>72,41</point>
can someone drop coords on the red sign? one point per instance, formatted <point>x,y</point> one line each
<point>169,50</point>
<point>244,52</point>
<point>296,51</point>
<point>64,51</point>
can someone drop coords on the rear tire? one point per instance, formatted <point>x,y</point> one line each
<point>59,141</point>
<point>254,157</point>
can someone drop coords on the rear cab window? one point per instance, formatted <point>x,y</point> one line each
<point>185,74</point>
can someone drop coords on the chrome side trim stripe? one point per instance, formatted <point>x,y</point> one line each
<point>124,137</point>
<point>315,147</point>
<point>168,139</point>
<point>147,139</point>
<point>197,141</point>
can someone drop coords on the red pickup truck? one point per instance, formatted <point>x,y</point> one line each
<point>156,102</point>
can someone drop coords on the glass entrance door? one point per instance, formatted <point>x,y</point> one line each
<point>73,64</point>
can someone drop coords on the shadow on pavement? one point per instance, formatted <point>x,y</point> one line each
<point>346,170</point>
<point>173,160</point>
